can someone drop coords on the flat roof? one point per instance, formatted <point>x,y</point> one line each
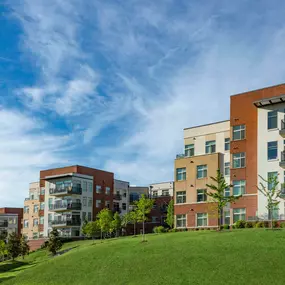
<point>161,182</point>
<point>76,165</point>
<point>206,124</point>
<point>269,101</point>
<point>68,174</point>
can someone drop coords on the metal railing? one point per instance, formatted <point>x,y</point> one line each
<point>282,125</point>
<point>282,156</point>
<point>4,224</point>
<point>67,206</point>
<point>117,197</point>
<point>67,189</point>
<point>180,155</point>
<point>66,222</point>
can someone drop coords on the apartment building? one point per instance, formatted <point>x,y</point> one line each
<point>121,197</point>
<point>250,144</point>
<point>135,194</point>
<point>10,220</point>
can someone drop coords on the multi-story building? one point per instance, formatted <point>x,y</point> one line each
<point>10,220</point>
<point>135,194</point>
<point>121,196</point>
<point>250,144</point>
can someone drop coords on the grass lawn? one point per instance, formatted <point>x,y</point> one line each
<point>204,257</point>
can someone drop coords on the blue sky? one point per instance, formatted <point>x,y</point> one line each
<point>112,84</point>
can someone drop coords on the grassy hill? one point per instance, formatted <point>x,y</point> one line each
<point>238,257</point>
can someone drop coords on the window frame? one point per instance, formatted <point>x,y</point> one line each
<point>239,156</point>
<point>203,170</point>
<point>269,174</point>
<point>98,189</point>
<point>227,144</point>
<point>205,216</point>
<point>227,217</point>
<point>181,171</point>
<point>239,214</point>
<point>242,183</point>
<point>227,165</point>
<point>107,190</point>
<point>203,194</point>
<point>272,148</point>
<point>270,118</point>
<point>97,202</point>
<point>189,148</point>
<point>181,218</point>
<point>210,147</point>
<point>227,192</point>
<point>181,195</point>
<point>241,129</point>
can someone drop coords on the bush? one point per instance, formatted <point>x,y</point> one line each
<point>226,227</point>
<point>240,224</point>
<point>249,224</point>
<point>172,230</point>
<point>282,225</point>
<point>44,245</point>
<point>259,225</point>
<point>159,230</point>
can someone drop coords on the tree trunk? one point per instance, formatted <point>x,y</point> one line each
<point>134,228</point>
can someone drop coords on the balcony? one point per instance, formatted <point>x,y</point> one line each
<point>63,191</point>
<point>282,130</point>
<point>118,197</point>
<point>282,159</point>
<point>65,206</point>
<point>66,223</point>
<point>282,192</point>
<point>3,224</point>
<point>181,155</point>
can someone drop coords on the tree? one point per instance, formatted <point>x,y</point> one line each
<point>271,193</point>
<point>104,221</point>
<point>84,227</point>
<point>13,245</point>
<point>218,195</point>
<point>54,242</point>
<point>91,229</point>
<point>170,214</point>
<point>25,248</point>
<point>143,207</point>
<point>116,223</point>
<point>3,249</point>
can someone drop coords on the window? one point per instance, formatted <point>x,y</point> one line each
<point>26,223</point>
<point>84,201</point>
<point>189,150</point>
<point>89,216</point>
<point>84,186</point>
<point>42,219</point>
<point>181,174</point>
<point>272,120</point>
<point>12,221</point>
<point>89,202</point>
<point>227,217</point>
<point>227,168</point>
<point>124,206</point>
<point>210,146</point>
<point>239,214</point>
<point>98,189</point>
<point>35,222</point>
<point>154,193</point>
<point>270,179</point>
<point>42,206</point>
<point>165,192</point>
<point>239,132</point>
<point>107,204</point>
<point>35,235</point>
<point>202,219</point>
<point>227,143</point>
<point>83,216</point>
<point>36,208</point>
<point>227,192</point>
<point>275,213</point>
<point>238,187</point>
<point>201,195</point>
<point>90,188</point>
<point>108,190</point>
<point>154,219</point>
<point>98,203</point>
<point>50,201</point>
<point>49,217</point>
<point>26,209</point>
<point>181,221</point>
<point>201,171</point>
<point>41,234</point>
<point>42,192</point>
<point>272,150</point>
<point>180,197</point>
<point>239,160</point>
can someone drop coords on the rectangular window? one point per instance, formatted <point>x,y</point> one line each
<point>202,219</point>
<point>165,192</point>
<point>239,160</point>
<point>26,209</point>
<point>181,221</point>
<point>98,203</point>
<point>98,189</point>
<point>239,214</point>
<point>35,235</point>
<point>42,206</point>
<point>108,190</point>
<point>154,193</point>
<point>124,206</point>
<point>90,188</point>
<point>201,171</point>
<point>154,219</point>
<point>89,202</point>
<point>239,132</point>
<point>238,187</point>
<point>89,216</point>
<point>26,223</point>
<point>36,208</point>
<point>83,216</point>
<point>84,201</point>
<point>275,213</point>
<point>227,168</point>
<point>42,219</point>
<point>201,195</point>
<point>272,120</point>
<point>42,191</point>
<point>35,222</point>
<point>227,192</point>
<point>227,217</point>
<point>272,150</point>
<point>210,146</point>
<point>49,217</point>
<point>84,186</point>
<point>180,197</point>
<point>181,174</point>
<point>107,204</point>
<point>270,179</point>
<point>50,201</point>
<point>189,150</point>
<point>227,144</point>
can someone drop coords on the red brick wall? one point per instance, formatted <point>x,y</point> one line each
<point>18,211</point>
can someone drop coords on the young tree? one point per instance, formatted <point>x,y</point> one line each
<point>218,195</point>
<point>13,245</point>
<point>116,223</point>
<point>271,193</point>
<point>3,250</point>
<point>170,214</point>
<point>25,248</point>
<point>143,207</point>
<point>91,229</point>
<point>104,221</point>
<point>84,227</point>
<point>54,242</point>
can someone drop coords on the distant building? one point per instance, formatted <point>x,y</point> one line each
<point>11,220</point>
<point>121,196</point>
<point>135,194</point>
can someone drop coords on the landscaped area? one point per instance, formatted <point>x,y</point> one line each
<point>248,256</point>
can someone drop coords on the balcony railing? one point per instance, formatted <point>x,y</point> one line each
<point>282,130</point>
<point>66,190</point>
<point>4,224</point>
<point>65,206</point>
<point>118,197</point>
<point>66,222</point>
<point>181,155</point>
<point>282,159</point>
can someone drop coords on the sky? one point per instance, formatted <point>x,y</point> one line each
<point>112,84</point>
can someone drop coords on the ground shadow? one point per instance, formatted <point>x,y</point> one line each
<point>66,250</point>
<point>2,279</point>
<point>12,265</point>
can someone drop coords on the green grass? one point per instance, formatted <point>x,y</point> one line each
<point>238,257</point>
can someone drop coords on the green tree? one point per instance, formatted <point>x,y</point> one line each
<point>3,249</point>
<point>218,196</point>
<point>92,229</point>
<point>116,223</point>
<point>84,227</point>
<point>170,214</point>
<point>143,208</point>
<point>25,248</point>
<point>271,193</point>
<point>54,242</point>
<point>13,245</point>
<point>105,218</point>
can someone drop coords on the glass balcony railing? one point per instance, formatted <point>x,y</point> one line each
<point>66,222</point>
<point>65,206</point>
<point>181,155</point>
<point>69,190</point>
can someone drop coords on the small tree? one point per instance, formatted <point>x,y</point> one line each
<point>3,249</point>
<point>104,221</point>
<point>116,223</point>
<point>91,229</point>
<point>218,195</point>
<point>271,193</point>
<point>144,206</point>
<point>170,214</point>
<point>25,248</point>
<point>13,245</point>
<point>84,227</point>
<point>54,242</point>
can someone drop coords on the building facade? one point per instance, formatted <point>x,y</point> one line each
<point>11,220</point>
<point>121,197</point>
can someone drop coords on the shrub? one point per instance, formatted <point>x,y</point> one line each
<point>282,225</point>
<point>240,224</point>
<point>249,224</point>
<point>172,230</point>
<point>159,230</point>
<point>259,225</point>
<point>226,227</point>
<point>44,245</point>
